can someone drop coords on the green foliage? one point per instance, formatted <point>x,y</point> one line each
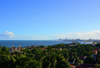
<point>98,52</point>
<point>87,54</point>
<point>63,64</point>
<point>4,50</point>
<point>50,58</point>
<point>46,64</point>
<point>30,55</point>
<point>22,61</point>
<point>17,53</point>
<point>97,66</point>
<point>97,45</point>
<point>67,46</point>
<point>78,62</point>
<point>59,58</point>
<point>7,61</point>
<point>49,48</point>
<point>66,55</point>
<point>89,60</point>
<point>34,51</point>
<point>98,60</point>
<point>34,64</point>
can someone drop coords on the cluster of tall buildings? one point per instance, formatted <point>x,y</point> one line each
<point>80,39</point>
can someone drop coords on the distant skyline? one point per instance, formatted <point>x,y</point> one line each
<point>49,19</point>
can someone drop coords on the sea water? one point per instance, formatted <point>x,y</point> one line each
<point>24,43</point>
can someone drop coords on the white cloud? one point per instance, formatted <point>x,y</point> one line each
<point>81,35</point>
<point>10,34</point>
<point>7,34</point>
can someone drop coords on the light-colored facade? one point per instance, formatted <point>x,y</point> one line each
<point>15,48</point>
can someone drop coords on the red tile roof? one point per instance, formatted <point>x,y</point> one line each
<point>71,65</point>
<point>81,56</point>
<point>95,50</point>
<point>43,48</point>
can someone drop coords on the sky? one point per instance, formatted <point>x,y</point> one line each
<point>49,19</point>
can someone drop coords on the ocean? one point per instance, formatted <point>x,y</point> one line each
<point>24,43</point>
<point>16,43</point>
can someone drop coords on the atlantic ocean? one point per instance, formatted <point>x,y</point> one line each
<point>24,43</point>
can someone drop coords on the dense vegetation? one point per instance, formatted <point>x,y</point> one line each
<point>50,57</point>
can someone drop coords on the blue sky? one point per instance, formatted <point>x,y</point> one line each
<point>49,19</point>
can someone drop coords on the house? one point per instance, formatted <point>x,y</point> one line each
<point>12,49</point>
<point>71,45</point>
<point>22,47</point>
<point>43,48</point>
<point>96,51</point>
<point>74,44</point>
<point>82,57</point>
<point>16,49</point>
<point>72,61</point>
<point>54,48</point>
<point>32,47</point>
<point>60,49</point>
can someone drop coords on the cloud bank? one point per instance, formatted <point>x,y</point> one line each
<point>81,35</point>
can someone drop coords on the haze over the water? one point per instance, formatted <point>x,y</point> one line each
<point>49,19</point>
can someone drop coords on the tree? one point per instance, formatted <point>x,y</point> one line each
<point>78,61</point>
<point>17,53</point>
<point>98,52</point>
<point>59,58</point>
<point>5,61</point>
<point>63,64</point>
<point>71,55</point>
<point>98,60</point>
<point>89,60</point>
<point>52,59</point>
<point>12,53</point>
<point>42,46</point>
<point>49,48</point>
<point>22,61</point>
<point>46,64</point>
<point>34,50</point>
<point>12,62</point>
<point>66,55</point>
<point>87,54</point>
<point>67,46</point>
<point>30,55</point>
<point>97,45</point>
<point>5,50</point>
<point>34,64</point>
<point>97,66</point>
